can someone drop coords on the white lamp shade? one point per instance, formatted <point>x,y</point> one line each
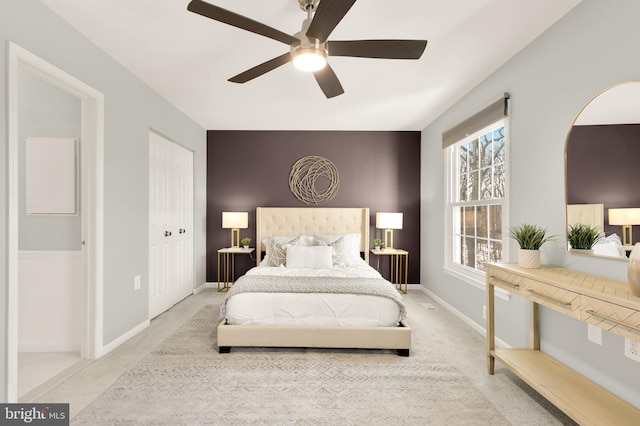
<point>235,220</point>
<point>388,220</point>
<point>624,216</point>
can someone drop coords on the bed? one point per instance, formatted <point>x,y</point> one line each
<point>309,302</point>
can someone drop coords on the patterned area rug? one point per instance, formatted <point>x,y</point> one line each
<point>186,382</point>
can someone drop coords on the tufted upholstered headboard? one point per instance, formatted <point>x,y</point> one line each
<point>294,221</point>
<point>589,214</point>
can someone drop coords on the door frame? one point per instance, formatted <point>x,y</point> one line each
<point>92,196</point>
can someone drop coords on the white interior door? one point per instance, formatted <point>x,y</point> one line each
<point>170,224</point>
<point>183,222</point>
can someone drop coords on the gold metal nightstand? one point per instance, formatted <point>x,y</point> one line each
<point>227,266</point>
<point>399,261</point>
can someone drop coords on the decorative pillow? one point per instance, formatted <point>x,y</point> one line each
<point>337,247</point>
<point>277,250</point>
<point>350,247</point>
<point>317,257</point>
<point>306,240</point>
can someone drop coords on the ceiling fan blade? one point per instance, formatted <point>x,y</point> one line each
<point>328,82</point>
<point>384,49</point>
<point>261,69</point>
<point>327,16</point>
<point>222,15</point>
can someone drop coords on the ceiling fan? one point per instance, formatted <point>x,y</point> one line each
<point>310,48</point>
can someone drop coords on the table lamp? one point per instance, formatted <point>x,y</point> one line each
<point>235,221</point>
<point>388,222</point>
<point>627,218</point>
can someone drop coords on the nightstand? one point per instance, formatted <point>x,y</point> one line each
<point>399,270</point>
<point>227,265</point>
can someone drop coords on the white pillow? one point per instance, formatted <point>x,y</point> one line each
<point>276,254</point>
<point>317,257</point>
<point>610,246</point>
<point>350,247</point>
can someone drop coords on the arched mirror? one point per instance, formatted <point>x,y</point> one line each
<point>602,169</point>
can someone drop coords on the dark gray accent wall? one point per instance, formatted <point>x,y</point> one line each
<point>602,167</point>
<point>249,169</point>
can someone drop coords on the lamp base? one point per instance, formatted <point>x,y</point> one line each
<point>388,239</point>
<point>235,238</point>
<point>627,235</point>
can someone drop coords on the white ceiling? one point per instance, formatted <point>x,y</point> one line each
<point>188,58</point>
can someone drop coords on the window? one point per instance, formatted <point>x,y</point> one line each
<point>477,200</point>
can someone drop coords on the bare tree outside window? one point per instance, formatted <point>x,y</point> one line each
<point>477,207</point>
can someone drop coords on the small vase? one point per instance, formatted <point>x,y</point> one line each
<point>376,247</point>
<point>246,247</point>
<point>633,270</point>
<point>529,259</point>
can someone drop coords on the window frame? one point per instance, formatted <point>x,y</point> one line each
<point>469,275</point>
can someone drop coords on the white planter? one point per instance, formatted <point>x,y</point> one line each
<point>529,259</point>
<point>581,251</point>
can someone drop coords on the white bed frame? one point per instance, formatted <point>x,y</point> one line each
<point>286,221</point>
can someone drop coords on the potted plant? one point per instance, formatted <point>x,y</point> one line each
<point>582,236</point>
<point>377,242</point>
<point>530,238</point>
<point>245,242</point>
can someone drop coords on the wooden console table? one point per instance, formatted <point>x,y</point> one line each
<point>605,303</point>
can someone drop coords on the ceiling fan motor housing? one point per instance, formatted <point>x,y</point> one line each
<point>309,54</point>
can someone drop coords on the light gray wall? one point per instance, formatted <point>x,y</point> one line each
<point>45,111</point>
<point>591,48</point>
<point>131,109</point>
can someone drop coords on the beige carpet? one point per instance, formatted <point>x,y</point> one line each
<point>186,382</point>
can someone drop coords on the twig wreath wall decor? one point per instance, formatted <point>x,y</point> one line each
<point>305,176</point>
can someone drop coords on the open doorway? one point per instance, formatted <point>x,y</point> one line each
<point>54,255</point>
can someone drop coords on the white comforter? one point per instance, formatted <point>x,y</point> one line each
<point>317,309</point>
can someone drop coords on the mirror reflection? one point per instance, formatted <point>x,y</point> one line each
<point>602,170</point>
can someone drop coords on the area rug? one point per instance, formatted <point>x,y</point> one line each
<point>185,381</point>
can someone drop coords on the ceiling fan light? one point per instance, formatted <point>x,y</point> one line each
<point>309,59</point>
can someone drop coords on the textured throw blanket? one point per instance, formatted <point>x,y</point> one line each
<point>301,284</point>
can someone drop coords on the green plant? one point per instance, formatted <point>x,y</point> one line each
<point>530,237</point>
<point>582,236</point>
<point>377,242</point>
<point>245,241</point>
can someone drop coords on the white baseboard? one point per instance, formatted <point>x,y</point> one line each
<point>128,335</point>
<point>206,285</point>
<point>123,338</point>
<point>47,346</point>
<point>465,319</point>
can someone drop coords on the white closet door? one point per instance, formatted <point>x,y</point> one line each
<point>183,222</point>
<point>170,224</point>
